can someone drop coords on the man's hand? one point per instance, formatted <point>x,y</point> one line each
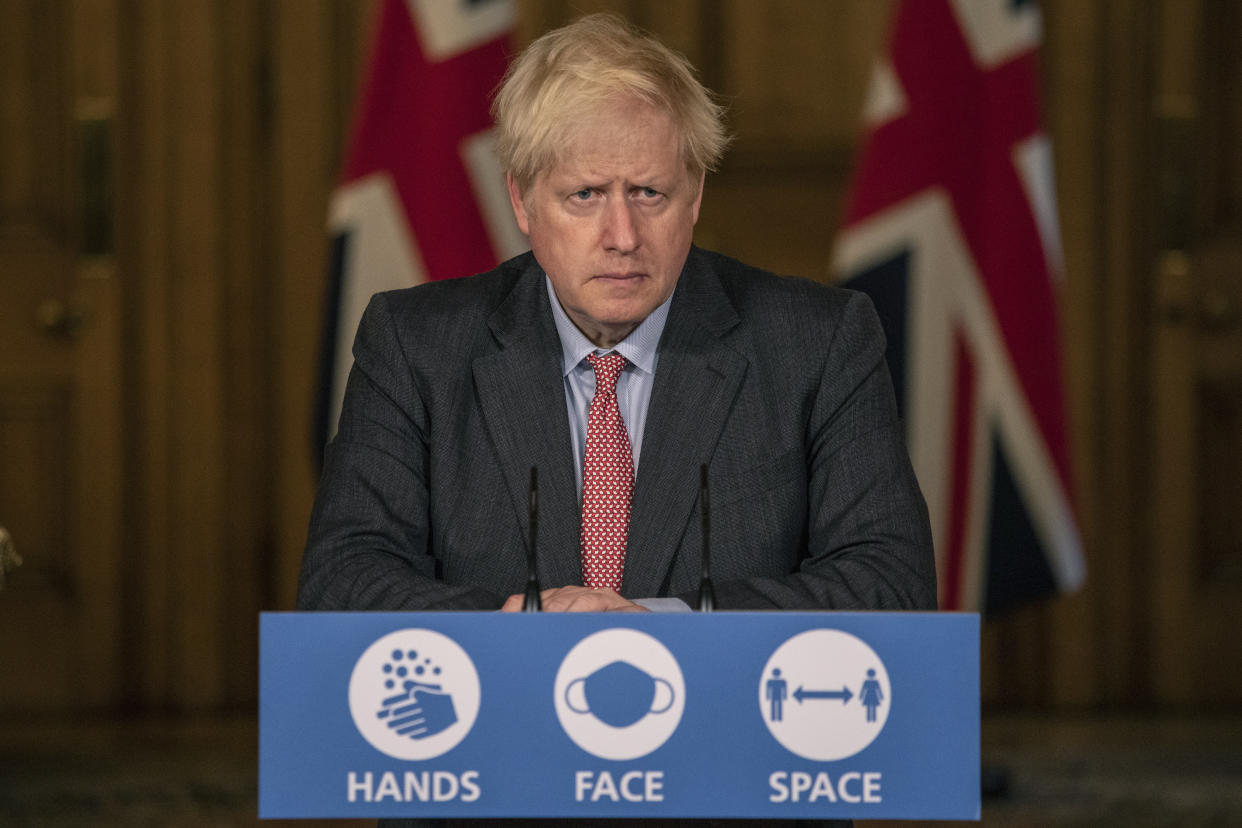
<point>576,599</point>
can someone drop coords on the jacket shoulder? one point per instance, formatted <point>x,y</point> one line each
<point>459,299</point>
<point>765,298</point>
<point>448,319</point>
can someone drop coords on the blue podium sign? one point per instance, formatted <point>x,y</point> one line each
<point>745,715</point>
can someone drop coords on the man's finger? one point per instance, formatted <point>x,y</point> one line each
<point>584,599</point>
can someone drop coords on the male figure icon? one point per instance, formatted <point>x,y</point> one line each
<point>777,691</point>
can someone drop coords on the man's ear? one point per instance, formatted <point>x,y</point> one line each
<point>519,207</point>
<point>698,199</point>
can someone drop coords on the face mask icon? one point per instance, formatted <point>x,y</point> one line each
<point>619,694</point>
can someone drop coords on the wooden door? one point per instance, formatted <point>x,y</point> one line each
<point>60,381</point>
<point>1196,380</point>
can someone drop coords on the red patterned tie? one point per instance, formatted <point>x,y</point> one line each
<point>607,480</point>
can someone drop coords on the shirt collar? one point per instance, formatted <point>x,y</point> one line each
<point>639,347</point>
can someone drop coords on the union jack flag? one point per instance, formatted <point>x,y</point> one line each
<point>422,195</point>
<point>951,228</point>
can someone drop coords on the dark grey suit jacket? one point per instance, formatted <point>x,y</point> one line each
<point>778,385</point>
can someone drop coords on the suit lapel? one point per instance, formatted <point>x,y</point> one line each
<point>522,395</point>
<point>697,379</point>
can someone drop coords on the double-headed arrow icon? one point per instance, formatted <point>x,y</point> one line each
<point>843,694</point>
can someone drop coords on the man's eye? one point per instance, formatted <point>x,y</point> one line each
<point>583,194</point>
<point>649,192</point>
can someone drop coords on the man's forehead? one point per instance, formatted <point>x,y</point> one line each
<point>605,167</point>
<point>592,155</point>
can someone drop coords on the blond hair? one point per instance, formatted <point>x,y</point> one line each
<point>571,72</point>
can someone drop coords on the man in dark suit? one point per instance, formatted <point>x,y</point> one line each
<point>460,388</point>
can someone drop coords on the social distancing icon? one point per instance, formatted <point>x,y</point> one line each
<point>824,695</point>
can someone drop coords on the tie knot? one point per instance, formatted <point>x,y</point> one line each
<point>607,369</point>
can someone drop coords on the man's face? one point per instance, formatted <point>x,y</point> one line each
<point>611,225</point>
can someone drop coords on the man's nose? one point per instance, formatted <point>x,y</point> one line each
<point>620,228</point>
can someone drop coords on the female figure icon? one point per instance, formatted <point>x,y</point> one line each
<point>871,695</point>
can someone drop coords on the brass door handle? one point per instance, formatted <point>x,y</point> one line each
<point>1218,311</point>
<point>64,320</point>
<point>9,559</point>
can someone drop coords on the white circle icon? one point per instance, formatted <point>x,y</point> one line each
<point>414,694</point>
<point>619,694</point>
<point>824,695</point>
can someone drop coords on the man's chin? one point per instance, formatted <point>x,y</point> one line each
<point>616,292</point>
<point>628,318</point>
<point>622,301</point>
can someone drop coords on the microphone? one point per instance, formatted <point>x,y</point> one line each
<point>533,603</point>
<point>707,595</point>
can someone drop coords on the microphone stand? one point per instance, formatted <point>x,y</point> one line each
<point>532,602</point>
<point>707,594</point>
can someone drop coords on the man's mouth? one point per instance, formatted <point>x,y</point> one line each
<point>620,277</point>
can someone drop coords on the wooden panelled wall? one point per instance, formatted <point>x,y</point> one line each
<point>232,119</point>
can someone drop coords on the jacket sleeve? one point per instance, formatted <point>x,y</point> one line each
<point>369,536</point>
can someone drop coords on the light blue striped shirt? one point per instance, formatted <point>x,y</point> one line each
<point>633,386</point>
